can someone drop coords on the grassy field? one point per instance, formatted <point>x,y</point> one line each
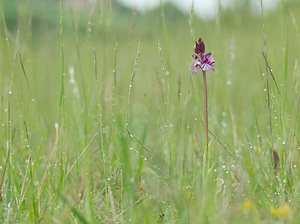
<point>102,121</point>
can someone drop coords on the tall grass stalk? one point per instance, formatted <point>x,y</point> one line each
<point>3,20</point>
<point>130,86</point>
<point>62,61</point>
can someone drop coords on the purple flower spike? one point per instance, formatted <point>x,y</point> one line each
<point>199,47</point>
<point>202,61</point>
<point>208,63</point>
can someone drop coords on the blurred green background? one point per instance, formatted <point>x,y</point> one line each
<point>102,102</point>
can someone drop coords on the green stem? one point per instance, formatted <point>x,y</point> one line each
<point>205,110</point>
<point>62,59</point>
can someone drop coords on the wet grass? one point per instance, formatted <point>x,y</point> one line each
<point>103,123</point>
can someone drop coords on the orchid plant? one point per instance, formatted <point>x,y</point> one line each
<point>204,62</point>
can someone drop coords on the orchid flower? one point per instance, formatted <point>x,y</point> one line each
<point>204,62</point>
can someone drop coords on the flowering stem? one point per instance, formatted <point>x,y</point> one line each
<point>203,61</point>
<point>205,110</point>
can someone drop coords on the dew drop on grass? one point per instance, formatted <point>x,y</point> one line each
<point>10,92</point>
<point>229,82</point>
<point>224,124</point>
<point>33,100</point>
<point>145,158</point>
<point>130,148</point>
<point>108,179</point>
<point>5,110</point>
<point>283,142</point>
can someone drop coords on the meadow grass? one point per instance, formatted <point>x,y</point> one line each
<point>101,121</point>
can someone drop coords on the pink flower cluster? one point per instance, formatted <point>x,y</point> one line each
<point>202,60</point>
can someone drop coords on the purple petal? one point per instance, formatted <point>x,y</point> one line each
<point>207,62</point>
<point>196,66</point>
